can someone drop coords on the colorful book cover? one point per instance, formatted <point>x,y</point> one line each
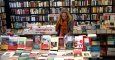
<point>25,54</point>
<point>45,42</point>
<point>37,41</point>
<point>4,42</point>
<point>33,54</point>
<point>61,44</point>
<point>29,44</point>
<point>12,43</point>
<point>87,41</point>
<point>52,53</point>
<point>86,54</point>
<point>54,43</point>
<point>69,53</point>
<point>21,42</point>
<point>77,52</point>
<point>69,42</point>
<point>78,43</point>
<point>19,51</point>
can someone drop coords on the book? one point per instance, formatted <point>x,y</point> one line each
<point>12,43</point>
<point>78,58</point>
<point>77,52</point>
<point>52,53</point>
<point>61,44</point>
<point>37,41</point>
<point>29,44</point>
<point>86,54</point>
<point>78,42</point>
<point>54,43</point>
<point>45,42</point>
<point>21,42</point>
<point>4,42</point>
<point>69,42</point>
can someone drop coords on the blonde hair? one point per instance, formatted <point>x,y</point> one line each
<point>69,17</point>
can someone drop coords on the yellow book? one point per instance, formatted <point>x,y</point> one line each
<point>94,10</point>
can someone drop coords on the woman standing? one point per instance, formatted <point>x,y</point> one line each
<point>64,24</point>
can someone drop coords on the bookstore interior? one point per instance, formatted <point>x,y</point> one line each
<point>28,30</point>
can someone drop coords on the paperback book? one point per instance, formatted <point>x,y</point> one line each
<point>61,44</point>
<point>37,41</point>
<point>54,43</point>
<point>45,42</point>
<point>21,42</point>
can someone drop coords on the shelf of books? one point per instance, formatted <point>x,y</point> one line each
<point>2,17</point>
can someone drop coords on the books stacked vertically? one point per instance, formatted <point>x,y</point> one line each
<point>82,3</point>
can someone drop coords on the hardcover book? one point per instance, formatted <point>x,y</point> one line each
<point>61,44</point>
<point>78,42</point>
<point>4,42</point>
<point>45,42</point>
<point>12,43</point>
<point>29,44</point>
<point>37,42</point>
<point>54,43</point>
<point>69,42</point>
<point>77,52</point>
<point>21,42</point>
<point>86,54</point>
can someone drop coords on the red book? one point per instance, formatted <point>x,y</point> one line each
<point>61,44</point>
<point>77,52</point>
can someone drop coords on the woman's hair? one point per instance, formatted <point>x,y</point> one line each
<point>68,14</point>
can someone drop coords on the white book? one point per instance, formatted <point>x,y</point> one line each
<point>54,43</point>
<point>19,4</point>
<point>14,4</point>
<point>35,51</point>
<point>78,58</point>
<point>27,4</point>
<point>59,58</point>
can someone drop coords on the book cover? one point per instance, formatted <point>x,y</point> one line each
<point>37,41</point>
<point>45,42</point>
<point>77,52</point>
<point>25,54</point>
<point>21,42</point>
<point>78,58</point>
<point>78,42</point>
<point>86,54</point>
<point>4,42</point>
<point>61,44</point>
<point>69,58</point>
<point>35,51</point>
<point>33,54</point>
<point>29,44</point>
<point>54,43</point>
<point>69,42</point>
<point>69,53</point>
<point>12,43</point>
<point>52,53</point>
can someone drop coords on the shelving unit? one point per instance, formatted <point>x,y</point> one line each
<point>2,17</point>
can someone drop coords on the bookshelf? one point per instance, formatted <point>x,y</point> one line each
<point>2,17</point>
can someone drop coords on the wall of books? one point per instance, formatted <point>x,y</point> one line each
<point>2,16</point>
